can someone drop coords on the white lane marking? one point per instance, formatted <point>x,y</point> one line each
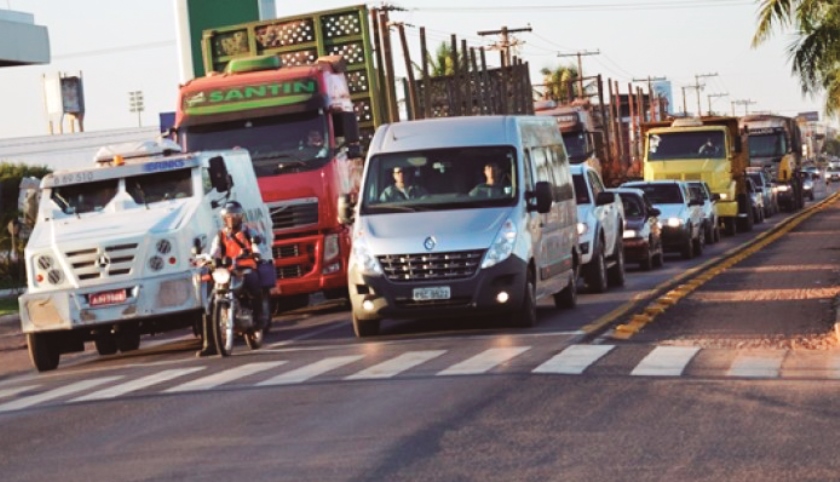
<point>57,393</point>
<point>134,385</point>
<point>227,376</point>
<point>665,361</point>
<point>14,391</point>
<point>834,367</point>
<point>574,359</point>
<point>396,365</point>
<point>310,371</point>
<point>757,365</point>
<point>484,361</point>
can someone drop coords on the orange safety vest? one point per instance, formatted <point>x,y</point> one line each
<point>235,246</point>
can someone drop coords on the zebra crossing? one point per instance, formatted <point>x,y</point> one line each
<point>571,360</point>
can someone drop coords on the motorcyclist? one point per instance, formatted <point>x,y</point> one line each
<point>238,241</point>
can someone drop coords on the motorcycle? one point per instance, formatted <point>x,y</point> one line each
<point>229,306</point>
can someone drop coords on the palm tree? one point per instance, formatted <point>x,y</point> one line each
<point>816,51</point>
<point>562,84</point>
<point>440,62</point>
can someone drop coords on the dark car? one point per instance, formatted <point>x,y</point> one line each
<point>642,232</point>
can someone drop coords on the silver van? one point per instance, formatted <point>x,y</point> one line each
<point>462,216</point>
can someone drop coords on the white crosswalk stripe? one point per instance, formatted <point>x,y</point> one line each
<point>757,365</point>
<point>10,392</point>
<point>227,376</point>
<point>60,392</point>
<point>138,384</point>
<point>574,359</point>
<point>310,371</point>
<point>665,361</point>
<point>396,365</point>
<point>484,361</point>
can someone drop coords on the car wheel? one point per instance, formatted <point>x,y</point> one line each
<point>709,233</point>
<point>567,298</point>
<point>615,275</point>
<point>595,273</point>
<point>659,259</point>
<point>647,262</point>
<point>716,234</point>
<point>365,328</point>
<point>687,250</point>
<point>699,244</point>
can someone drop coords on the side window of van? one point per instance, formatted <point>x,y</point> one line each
<point>595,181</point>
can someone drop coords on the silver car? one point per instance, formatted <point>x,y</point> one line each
<point>711,227</point>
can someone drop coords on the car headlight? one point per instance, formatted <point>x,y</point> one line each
<point>582,228</point>
<point>784,188</point>
<point>674,222</point>
<point>630,233</point>
<point>502,247</point>
<point>221,276</point>
<point>363,256</point>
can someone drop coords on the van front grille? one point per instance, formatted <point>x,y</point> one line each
<point>431,266</point>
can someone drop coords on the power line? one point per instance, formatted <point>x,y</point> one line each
<point>591,7</point>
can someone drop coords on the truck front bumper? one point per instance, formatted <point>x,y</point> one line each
<point>69,309</point>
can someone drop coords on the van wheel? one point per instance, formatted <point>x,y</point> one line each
<point>567,298</point>
<point>365,328</point>
<point>528,317</point>
<point>43,351</point>
<point>595,273</point>
<point>615,275</point>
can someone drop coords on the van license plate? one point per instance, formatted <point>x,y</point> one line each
<point>106,298</point>
<point>435,293</point>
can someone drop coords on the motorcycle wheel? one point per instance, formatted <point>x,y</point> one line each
<point>223,327</point>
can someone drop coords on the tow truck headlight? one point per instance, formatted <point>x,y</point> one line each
<point>46,269</point>
<point>330,246</point>
<point>674,222</point>
<point>364,257</point>
<point>502,247</point>
<point>221,276</point>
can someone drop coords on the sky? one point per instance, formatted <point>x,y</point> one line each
<point>123,46</point>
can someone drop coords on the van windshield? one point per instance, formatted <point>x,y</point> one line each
<point>440,179</point>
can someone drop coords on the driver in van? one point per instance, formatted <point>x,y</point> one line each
<point>493,186</point>
<point>401,190</point>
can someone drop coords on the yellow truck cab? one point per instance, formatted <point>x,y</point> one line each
<point>707,149</point>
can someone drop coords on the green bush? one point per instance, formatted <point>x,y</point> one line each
<point>11,273</point>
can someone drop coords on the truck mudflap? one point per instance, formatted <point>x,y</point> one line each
<point>102,305</point>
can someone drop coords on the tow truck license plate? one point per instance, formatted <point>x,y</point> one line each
<point>433,293</point>
<point>106,298</point>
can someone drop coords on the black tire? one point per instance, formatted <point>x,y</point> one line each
<point>595,272</point>
<point>716,234</point>
<point>699,244</point>
<point>647,262</point>
<point>730,226</point>
<point>254,339</point>
<point>43,351</point>
<point>128,337</point>
<point>659,259</point>
<point>222,332</point>
<point>567,298</point>
<point>687,249</point>
<point>105,343</point>
<point>615,275</point>
<point>528,317</point>
<point>365,328</point>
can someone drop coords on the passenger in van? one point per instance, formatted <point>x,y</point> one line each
<point>401,190</point>
<point>493,186</point>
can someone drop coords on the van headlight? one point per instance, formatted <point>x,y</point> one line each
<point>363,257</point>
<point>630,234</point>
<point>502,247</point>
<point>674,222</point>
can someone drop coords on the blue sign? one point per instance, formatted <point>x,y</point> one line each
<point>164,165</point>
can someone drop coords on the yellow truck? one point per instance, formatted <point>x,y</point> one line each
<point>776,147</point>
<point>708,148</point>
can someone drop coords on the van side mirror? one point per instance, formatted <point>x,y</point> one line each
<point>219,177</point>
<point>542,196</point>
<point>604,198</point>
<point>345,209</point>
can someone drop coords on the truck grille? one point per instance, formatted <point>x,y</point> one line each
<point>94,263</point>
<point>431,266</point>
<point>294,215</point>
<point>289,272</point>
<point>286,251</point>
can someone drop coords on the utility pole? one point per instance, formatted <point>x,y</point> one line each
<point>505,44</point>
<point>698,88</point>
<point>135,99</point>
<point>580,65</point>
<point>685,105</point>
<point>654,99</point>
<point>710,99</point>
<point>745,102</point>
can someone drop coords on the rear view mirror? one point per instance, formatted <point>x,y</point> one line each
<point>654,212</point>
<point>605,198</point>
<point>219,177</point>
<point>543,197</point>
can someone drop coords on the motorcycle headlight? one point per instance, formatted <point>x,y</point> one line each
<point>674,222</point>
<point>502,247</point>
<point>364,257</point>
<point>221,276</point>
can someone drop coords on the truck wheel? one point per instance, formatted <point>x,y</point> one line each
<point>128,337</point>
<point>43,351</point>
<point>567,298</point>
<point>595,273</point>
<point>615,275</point>
<point>105,342</point>
<point>365,328</point>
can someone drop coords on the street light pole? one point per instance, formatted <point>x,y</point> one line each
<point>135,98</point>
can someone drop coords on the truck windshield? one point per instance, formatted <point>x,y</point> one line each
<point>441,179</point>
<point>278,145</point>
<point>665,146</point>
<point>768,145</point>
<point>576,146</point>
<point>160,186</point>
<point>85,197</point>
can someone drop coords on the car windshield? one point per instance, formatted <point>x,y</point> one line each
<point>666,146</point>
<point>291,143</point>
<point>661,193</point>
<point>440,179</point>
<point>633,207</point>
<point>758,181</point>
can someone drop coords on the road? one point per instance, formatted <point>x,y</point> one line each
<point>735,381</point>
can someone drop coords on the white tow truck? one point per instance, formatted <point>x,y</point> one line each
<point>109,257</point>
